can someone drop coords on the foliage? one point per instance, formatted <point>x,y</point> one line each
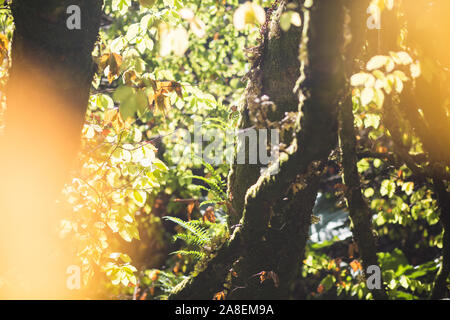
<point>138,104</point>
<point>165,65</point>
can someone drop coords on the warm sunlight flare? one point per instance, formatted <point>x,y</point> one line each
<point>257,150</point>
<point>38,147</point>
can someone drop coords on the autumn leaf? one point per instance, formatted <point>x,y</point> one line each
<point>3,47</point>
<point>190,208</point>
<point>113,117</point>
<point>320,288</point>
<point>331,265</point>
<point>266,275</point>
<point>113,61</point>
<point>219,296</point>
<point>154,275</point>
<point>159,98</point>
<point>209,215</point>
<point>129,77</point>
<point>144,296</point>
<point>356,265</point>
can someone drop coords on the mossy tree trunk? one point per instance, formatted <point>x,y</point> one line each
<point>359,211</point>
<point>360,214</point>
<point>47,97</point>
<point>301,71</point>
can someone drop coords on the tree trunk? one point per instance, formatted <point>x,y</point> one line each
<point>440,289</point>
<point>47,96</point>
<point>360,214</point>
<point>267,246</point>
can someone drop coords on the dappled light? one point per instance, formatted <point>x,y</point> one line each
<point>225,150</point>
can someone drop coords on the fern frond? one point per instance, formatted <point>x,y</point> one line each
<point>200,234</point>
<point>190,239</point>
<point>191,253</point>
<point>216,189</point>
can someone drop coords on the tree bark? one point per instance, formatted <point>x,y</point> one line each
<point>261,243</point>
<point>358,209</point>
<point>440,289</point>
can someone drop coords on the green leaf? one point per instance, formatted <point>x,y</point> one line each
<point>139,197</point>
<point>363,165</point>
<point>404,282</point>
<point>131,101</point>
<point>133,31</point>
<point>372,120</point>
<point>387,188</point>
<point>102,101</point>
<point>328,282</point>
<point>369,192</point>
<point>121,5</point>
<point>408,187</point>
<point>124,95</point>
<point>377,163</point>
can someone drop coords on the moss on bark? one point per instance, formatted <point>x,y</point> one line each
<point>359,211</point>
<point>257,242</point>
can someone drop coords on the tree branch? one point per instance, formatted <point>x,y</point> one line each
<point>359,211</point>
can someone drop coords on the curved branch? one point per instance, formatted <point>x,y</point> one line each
<point>359,211</point>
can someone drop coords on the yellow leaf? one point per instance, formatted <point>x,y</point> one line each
<point>186,14</point>
<point>248,13</point>
<point>110,115</point>
<point>376,62</point>
<point>198,27</point>
<point>389,4</point>
<point>4,44</point>
<point>359,79</point>
<point>173,40</point>
<point>404,57</point>
<point>162,103</point>
<point>103,61</point>
<point>415,69</point>
<point>367,96</point>
<point>180,41</point>
<point>288,18</point>
<point>89,132</point>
